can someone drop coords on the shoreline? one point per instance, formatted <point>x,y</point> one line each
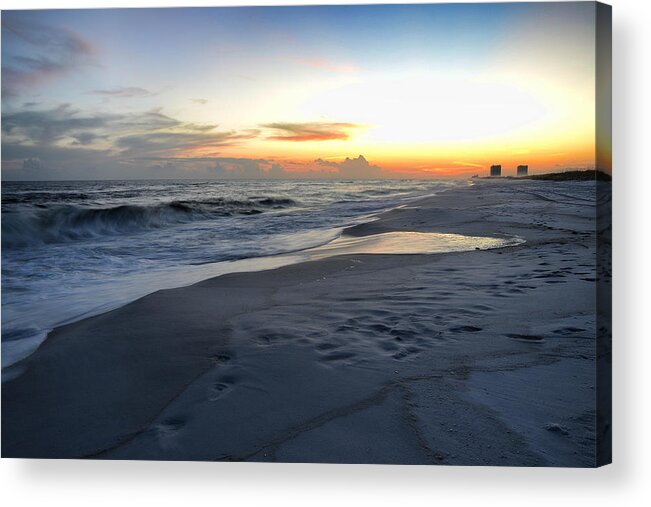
<point>179,276</point>
<point>325,361</point>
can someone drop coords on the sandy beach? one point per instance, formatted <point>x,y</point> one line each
<point>482,357</point>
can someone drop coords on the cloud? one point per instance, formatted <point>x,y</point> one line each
<point>200,101</point>
<point>167,144</point>
<point>70,143</point>
<point>145,158</point>
<point>239,168</point>
<point>47,126</point>
<point>67,143</point>
<point>299,132</point>
<point>277,171</point>
<point>32,164</point>
<point>48,162</point>
<point>47,52</point>
<point>461,163</point>
<point>23,162</point>
<point>51,125</point>
<point>228,168</point>
<point>86,138</point>
<point>246,168</point>
<point>123,92</point>
<point>353,168</point>
<point>154,119</point>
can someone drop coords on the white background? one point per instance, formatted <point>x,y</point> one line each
<point>627,482</point>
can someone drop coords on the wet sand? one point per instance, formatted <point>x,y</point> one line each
<point>483,357</point>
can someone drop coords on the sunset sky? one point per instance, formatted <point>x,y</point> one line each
<point>418,91</point>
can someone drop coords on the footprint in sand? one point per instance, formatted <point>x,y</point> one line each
<point>409,351</point>
<point>221,358</point>
<point>526,338</point>
<point>337,356</point>
<point>465,329</point>
<point>325,346</point>
<point>568,330</point>
<point>273,337</point>
<point>388,346</point>
<point>484,308</point>
<point>167,428</point>
<point>221,387</point>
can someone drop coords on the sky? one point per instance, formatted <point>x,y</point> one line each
<point>370,91</point>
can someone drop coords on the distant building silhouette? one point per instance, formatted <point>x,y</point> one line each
<point>496,170</point>
<point>523,170</point>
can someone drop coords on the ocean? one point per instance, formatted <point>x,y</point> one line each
<point>78,248</point>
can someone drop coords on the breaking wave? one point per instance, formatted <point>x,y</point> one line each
<point>72,223</point>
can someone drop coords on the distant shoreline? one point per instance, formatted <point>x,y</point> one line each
<point>587,175</point>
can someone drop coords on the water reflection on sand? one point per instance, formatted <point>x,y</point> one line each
<point>408,243</point>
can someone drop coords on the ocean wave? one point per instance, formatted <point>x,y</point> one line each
<point>60,224</point>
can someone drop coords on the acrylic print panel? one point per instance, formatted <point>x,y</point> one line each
<point>342,234</point>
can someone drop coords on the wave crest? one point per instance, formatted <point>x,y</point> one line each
<point>60,224</point>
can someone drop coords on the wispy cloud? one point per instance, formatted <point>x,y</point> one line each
<point>174,143</point>
<point>50,125</point>
<point>317,131</point>
<point>154,119</point>
<point>461,163</point>
<point>200,101</point>
<point>47,52</point>
<point>142,135</point>
<point>123,92</point>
